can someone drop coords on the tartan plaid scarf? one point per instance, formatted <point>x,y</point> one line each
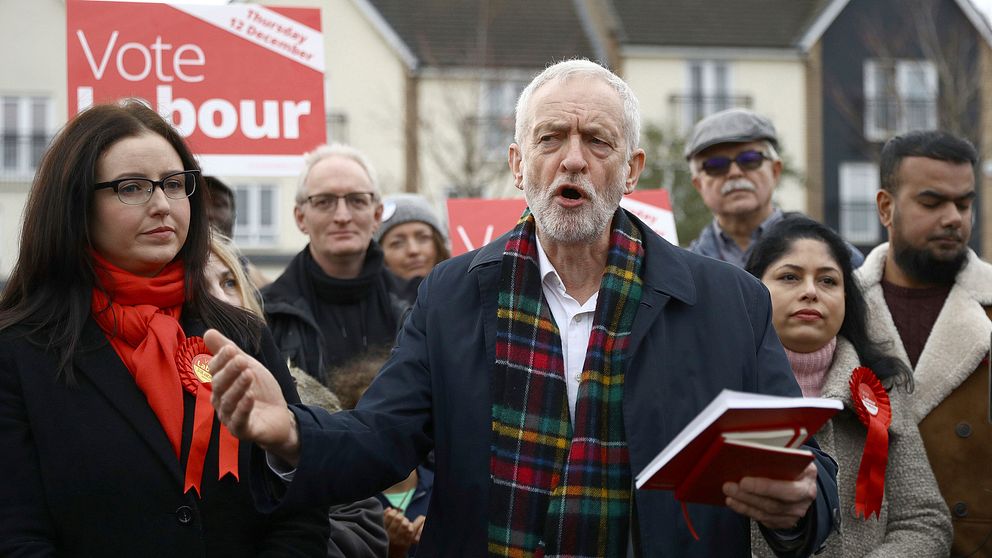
<point>554,492</point>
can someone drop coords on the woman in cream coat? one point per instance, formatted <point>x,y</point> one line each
<point>820,315</point>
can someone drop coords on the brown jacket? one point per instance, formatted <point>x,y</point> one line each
<point>952,397</point>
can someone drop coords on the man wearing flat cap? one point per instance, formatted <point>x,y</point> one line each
<point>735,166</point>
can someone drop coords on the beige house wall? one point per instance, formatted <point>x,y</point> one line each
<point>779,92</point>
<point>654,80</point>
<point>451,148</point>
<point>32,58</point>
<point>442,104</point>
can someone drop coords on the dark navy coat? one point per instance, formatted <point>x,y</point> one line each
<point>702,326</point>
<point>87,470</point>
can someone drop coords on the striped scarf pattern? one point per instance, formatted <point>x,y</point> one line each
<point>555,492</point>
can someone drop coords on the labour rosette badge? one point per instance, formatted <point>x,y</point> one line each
<point>871,403</point>
<point>193,362</point>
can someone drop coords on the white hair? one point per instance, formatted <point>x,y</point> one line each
<point>696,163</point>
<point>631,125</point>
<point>334,150</point>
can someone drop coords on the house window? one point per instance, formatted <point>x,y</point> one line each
<point>496,122</point>
<point>858,218</point>
<point>900,95</point>
<point>257,222</point>
<point>709,91</point>
<point>25,130</point>
<point>337,127</point>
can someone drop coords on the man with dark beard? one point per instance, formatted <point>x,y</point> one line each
<point>548,367</point>
<point>931,297</point>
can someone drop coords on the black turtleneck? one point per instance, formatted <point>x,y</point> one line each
<point>353,314</point>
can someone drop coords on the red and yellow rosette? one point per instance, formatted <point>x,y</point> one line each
<point>193,362</point>
<point>871,402</point>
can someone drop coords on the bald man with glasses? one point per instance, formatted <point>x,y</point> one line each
<point>735,166</point>
<point>336,299</point>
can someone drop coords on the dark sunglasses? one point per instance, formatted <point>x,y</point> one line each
<point>746,160</point>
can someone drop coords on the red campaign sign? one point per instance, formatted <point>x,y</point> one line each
<point>244,83</point>
<point>473,223</point>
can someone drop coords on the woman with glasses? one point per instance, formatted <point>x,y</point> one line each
<point>110,443</point>
<point>821,317</point>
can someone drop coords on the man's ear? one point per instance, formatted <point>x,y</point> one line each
<point>298,215</point>
<point>378,216</point>
<point>777,170</point>
<point>697,183</point>
<point>516,161</point>
<point>885,205</point>
<point>635,167</point>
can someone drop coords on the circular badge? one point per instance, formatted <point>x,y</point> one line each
<point>201,367</point>
<point>868,399</point>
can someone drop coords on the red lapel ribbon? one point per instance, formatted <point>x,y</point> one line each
<point>871,403</point>
<point>193,360</point>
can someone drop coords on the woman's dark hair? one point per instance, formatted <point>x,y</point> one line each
<point>50,289</point>
<point>778,240</point>
<point>440,247</point>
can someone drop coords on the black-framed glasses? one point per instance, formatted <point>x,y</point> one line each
<point>746,160</point>
<point>356,201</point>
<point>137,191</point>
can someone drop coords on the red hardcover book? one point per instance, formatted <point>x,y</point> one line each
<point>737,435</point>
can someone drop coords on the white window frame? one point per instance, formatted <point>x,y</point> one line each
<point>249,230</point>
<point>904,95</point>
<point>709,89</point>
<point>858,184</point>
<point>23,133</point>
<point>337,127</point>
<point>497,110</point>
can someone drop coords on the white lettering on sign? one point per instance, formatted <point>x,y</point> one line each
<point>178,62</point>
<point>269,128</point>
<point>218,118</point>
<point>146,67</point>
<point>468,243</point>
<point>147,62</point>
<point>265,28</point>
<point>214,109</point>
<point>96,69</point>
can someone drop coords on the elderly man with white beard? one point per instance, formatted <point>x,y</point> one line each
<point>548,367</point>
<point>735,165</point>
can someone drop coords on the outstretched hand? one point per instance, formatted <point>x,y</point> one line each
<point>249,401</point>
<point>402,532</point>
<point>776,504</point>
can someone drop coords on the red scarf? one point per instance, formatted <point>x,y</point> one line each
<point>141,321</point>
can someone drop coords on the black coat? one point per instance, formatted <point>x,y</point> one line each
<point>701,326</point>
<point>291,313</point>
<point>87,470</point>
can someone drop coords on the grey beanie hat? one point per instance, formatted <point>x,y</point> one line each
<point>734,125</point>
<point>398,209</point>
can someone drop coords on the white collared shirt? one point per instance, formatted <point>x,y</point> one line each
<point>574,322</point>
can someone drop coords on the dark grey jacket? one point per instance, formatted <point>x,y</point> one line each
<point>290,314</point>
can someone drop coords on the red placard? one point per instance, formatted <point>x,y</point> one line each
<point>473,223</point>
<point>244,83</point>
